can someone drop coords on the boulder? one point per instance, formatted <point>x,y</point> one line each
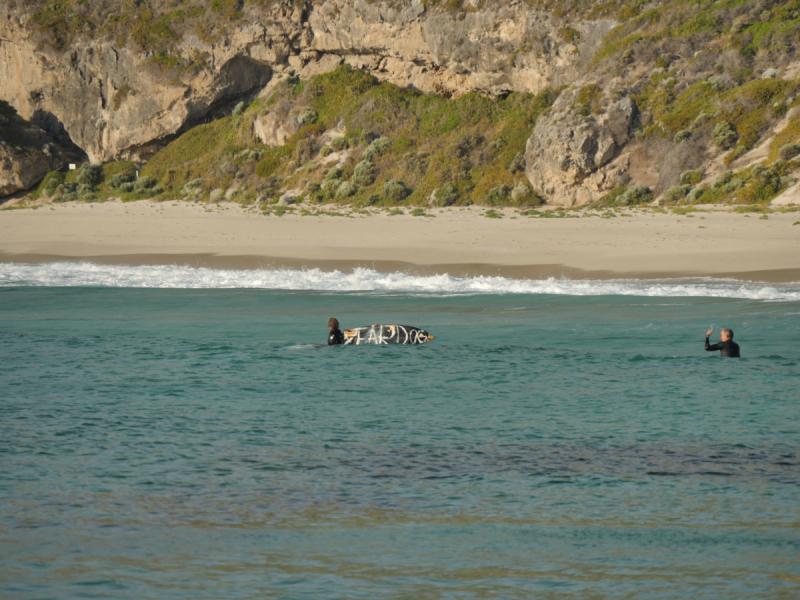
<point>274,129</point>
<point>27,154</point>
<point>569,157</point>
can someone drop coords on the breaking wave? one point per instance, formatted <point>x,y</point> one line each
<point>67,274</point>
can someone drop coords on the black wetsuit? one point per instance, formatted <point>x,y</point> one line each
<point>729,348</point>
<point>335,338</point>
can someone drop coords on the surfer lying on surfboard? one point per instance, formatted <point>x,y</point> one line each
<point>377,334</point>
<point>335,336</point>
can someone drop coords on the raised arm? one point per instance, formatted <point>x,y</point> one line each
<point>710,347</point>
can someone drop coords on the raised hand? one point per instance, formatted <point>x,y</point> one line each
<point>709,332</point>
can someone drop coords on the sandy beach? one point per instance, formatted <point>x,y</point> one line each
<point>459,241</point>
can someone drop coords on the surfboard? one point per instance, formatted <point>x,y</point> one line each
<point>386,334</point>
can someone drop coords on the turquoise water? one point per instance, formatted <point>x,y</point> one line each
<point>193,443</point>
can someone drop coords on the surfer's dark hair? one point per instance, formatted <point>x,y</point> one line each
<point>332,322</point>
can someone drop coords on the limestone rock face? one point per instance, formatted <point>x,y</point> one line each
<point>120,102</point>
<point>572,159</point>
<point>27,153</point>
<point>273,129</point>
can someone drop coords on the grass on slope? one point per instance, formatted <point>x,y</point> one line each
<point>400,145</point>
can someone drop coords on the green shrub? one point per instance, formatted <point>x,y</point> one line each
<point>733,185</point>
<point>51,182</point>
<point>570,34</point>
<point>521,193</point>
<point>364,173</point>
<point>446,195</point>
<point>117,180</point>
<point>90,174</point>
<point>395,191</point>
<point>517,164</point>
<point>193,188</point>
<point>345,190</point>
<point>144,183</point>
<point>377,148</point>
<point>748,209</point>
<point>334,173</point>
<point>692,177</point>
<point>330,186</point>
<point>789,151</point>
<point>309,117</point>
<point>677,192</point>
<point>736,153</point>
<point>588,100</point>
<point>724,136</point>
<point>239,109</point>
<point>611,197</point>
<point>66,192</point>
<point>492,214</point>
<point>325,151</point>
<point>722,180</point>
<point>338,144</point>
<point>717,83</point>
<point>498,196</point>
<point>682,135</point>
<point>696,193</point>
<point>638,194</point>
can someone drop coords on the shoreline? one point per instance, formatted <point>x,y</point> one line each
<point>531,272</point>
<point>638,244</point>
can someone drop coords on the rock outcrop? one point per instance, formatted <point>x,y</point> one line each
<point>571,157</point>
<point>122,102</point>
<point>27,153</point>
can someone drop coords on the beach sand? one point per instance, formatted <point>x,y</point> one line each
<point>459,241</point>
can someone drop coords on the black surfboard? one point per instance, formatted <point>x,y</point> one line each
<point>386,334</point>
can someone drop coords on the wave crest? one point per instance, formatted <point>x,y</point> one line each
<point>67,274</point>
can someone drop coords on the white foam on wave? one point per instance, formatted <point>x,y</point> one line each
<point>66,274</point>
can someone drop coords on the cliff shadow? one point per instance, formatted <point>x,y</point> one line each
<point>56,130</point>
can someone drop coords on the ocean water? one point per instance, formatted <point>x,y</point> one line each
<point>168,432</point>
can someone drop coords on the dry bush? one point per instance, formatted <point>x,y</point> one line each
<point>679,158</point>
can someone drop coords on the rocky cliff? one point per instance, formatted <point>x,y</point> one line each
<point>643,100</point>
<point>123,101</point>
<point>27,152</point>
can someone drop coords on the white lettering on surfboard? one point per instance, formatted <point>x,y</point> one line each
<point>386,334</point>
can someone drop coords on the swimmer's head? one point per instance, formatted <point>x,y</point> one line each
<point>726,334</point>
<point>334,324</point>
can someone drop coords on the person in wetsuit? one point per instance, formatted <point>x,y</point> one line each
<point>726,346</point>
<point>335,337</point>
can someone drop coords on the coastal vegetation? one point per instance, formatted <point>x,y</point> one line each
<point>357,140</point>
